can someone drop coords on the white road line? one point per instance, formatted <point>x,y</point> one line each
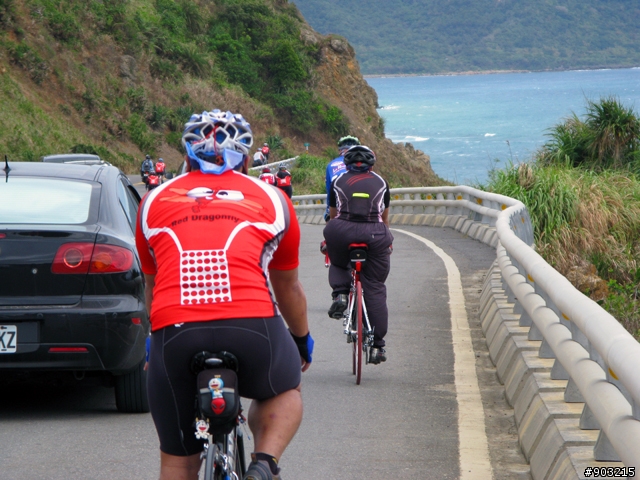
<point>474,448</point>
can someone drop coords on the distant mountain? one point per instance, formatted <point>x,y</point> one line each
<point>445,36</point>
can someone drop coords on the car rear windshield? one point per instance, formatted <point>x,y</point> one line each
<point>52,201</point>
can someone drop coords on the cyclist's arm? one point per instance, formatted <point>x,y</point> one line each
<point>385,216</point>
<point>333,212</point>
<point>149,283</point>
<point>292,302</point>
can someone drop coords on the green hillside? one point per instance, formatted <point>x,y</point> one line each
<point>434,36</point>
<point>120,77</point>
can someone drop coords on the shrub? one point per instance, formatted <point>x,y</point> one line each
<point>63,25</point>
<point>334,121</point>
<point>103,152</point>
<point>307,177</point>
<point>158,116</point>
<point>550,198</point>
<point>615,131</point>
<point>166,70</point>
<point>174,139</point>
<point>27,58</point>
<point>7,12</point>
<point>609,137</point>
<point>139,134</point>
<point>299,105</point>
<point>137,99</point>
<point>285,67</point>
<point>275,142</point>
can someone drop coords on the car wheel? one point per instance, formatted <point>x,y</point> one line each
<point>131,391</point>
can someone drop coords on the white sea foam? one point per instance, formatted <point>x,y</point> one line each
<point>390,107</point>
<point>489,134</point>
<point>416,139</point>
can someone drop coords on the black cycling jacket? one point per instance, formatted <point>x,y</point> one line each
<point>359,196</point>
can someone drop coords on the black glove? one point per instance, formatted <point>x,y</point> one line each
<point>305,346</point>
<point>323,246</point>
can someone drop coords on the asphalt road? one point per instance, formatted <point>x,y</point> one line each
<point>401,422</point>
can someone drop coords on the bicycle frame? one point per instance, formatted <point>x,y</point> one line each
<point>220,454</point>
<point>223,453</point>
<point>350,322</point>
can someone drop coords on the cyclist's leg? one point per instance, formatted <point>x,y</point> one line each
<point>269,364</point>
<point>338,234</point>
<point>173,467</point>
<point>374,275</point>
<point>275,421</point>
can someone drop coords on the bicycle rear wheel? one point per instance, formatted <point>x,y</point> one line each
<point>357,345</point>
<point>210,463</point>
<point>241,465</point>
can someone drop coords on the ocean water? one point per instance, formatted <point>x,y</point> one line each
<point>469,124</point>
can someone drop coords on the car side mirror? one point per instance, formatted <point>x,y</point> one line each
<point>169,175</point>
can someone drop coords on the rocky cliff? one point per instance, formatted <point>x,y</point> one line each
<point>338,79</point>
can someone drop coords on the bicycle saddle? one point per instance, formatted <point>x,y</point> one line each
<point>203,360</point>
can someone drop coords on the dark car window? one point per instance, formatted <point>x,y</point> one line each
<point>53,201</point>
<point>129,204</point>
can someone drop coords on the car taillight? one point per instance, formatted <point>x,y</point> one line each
<point>72,258</point>
<point>110,259</point>
<point>81,258</point>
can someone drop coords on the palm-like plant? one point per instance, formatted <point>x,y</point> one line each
<point>615,131</point>
<point>568,145</point>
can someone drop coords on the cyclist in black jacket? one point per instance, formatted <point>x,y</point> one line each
<point>359,211</point>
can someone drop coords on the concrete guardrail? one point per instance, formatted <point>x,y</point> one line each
<point>570,370</point>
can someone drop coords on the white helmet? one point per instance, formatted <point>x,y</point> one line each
<point>218,141</point>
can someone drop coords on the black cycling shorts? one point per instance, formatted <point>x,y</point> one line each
<point>268,365</point>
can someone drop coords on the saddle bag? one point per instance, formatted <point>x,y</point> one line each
<point>218,398</point>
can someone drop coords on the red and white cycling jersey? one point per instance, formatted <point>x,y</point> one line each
<point>269,178</point>
<point>210,240</point>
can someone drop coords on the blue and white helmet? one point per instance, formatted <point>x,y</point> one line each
<point>217,141</point>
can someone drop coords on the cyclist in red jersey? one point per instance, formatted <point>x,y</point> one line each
<point>210,242</point>
<point>283,180</point>
<point>267,176</point>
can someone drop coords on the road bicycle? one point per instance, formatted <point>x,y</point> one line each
<point>219,418</point>
<point>356,320</point>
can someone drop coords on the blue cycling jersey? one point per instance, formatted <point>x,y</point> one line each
<point>335,168</point>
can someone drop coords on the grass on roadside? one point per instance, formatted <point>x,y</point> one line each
<point>587,226</point>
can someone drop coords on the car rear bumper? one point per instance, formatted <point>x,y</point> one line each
<point>99,333</point>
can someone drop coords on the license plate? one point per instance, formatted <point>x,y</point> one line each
<point>8,338</point>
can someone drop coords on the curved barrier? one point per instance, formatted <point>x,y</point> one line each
<point>570,370</point>
<point>289,163</point>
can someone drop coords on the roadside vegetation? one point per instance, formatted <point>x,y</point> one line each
<point>582,190</point>
<point>120,77</point>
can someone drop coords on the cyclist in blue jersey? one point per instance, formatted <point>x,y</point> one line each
<point>336,166</point>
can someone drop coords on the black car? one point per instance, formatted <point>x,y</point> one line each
<point>71,287</point>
